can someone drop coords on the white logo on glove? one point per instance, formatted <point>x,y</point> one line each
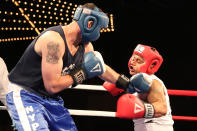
<point>137,108</point>
<point>97,68</point>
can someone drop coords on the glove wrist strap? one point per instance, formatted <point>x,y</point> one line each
<point>78,75</point>
<point>149,110</point>
<point>122,82</point>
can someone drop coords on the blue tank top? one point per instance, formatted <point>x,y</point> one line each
<point>27,71</point>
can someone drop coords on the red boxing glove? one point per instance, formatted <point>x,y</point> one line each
<point>130,106</point>
<point>112,88</point>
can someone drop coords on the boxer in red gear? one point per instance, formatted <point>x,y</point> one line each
<point>146,59</point>
<point>151,110</point>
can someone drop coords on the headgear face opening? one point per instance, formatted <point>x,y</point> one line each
<point>151,57</point>
<point>100,20</point>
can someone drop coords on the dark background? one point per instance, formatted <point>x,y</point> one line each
<point>167,25</point>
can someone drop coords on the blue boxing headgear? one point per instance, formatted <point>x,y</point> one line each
<point>83,15</point>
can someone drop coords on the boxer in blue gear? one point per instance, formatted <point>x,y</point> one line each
<point>83,15</point>
<point>59,57</point>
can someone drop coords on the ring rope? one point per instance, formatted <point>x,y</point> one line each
<point>113,114</point>
<point>170,91</point>
<point>185,118</point>
<point>3,108</point>
<point>182,92</point>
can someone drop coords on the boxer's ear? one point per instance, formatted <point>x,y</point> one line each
<point>153,65</point>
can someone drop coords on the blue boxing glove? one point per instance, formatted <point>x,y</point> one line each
<point>92,66</point>
<point>140,83</point>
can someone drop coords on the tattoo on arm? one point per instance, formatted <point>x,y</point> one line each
<point>52,55</point>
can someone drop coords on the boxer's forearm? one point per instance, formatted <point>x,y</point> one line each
<point>157,98</point>
<point>160,109</point>
<point>110,75</point>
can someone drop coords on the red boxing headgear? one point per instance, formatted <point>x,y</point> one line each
<point>150,55</point>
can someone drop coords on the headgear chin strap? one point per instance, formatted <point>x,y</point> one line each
<point>151,56</point>
<point>100,20</point>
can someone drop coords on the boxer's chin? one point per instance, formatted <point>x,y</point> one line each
<point>132,72</point>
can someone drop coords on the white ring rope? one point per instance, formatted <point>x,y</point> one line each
<point>104,113</point>
<point>90,87</point>
<point>86,112</point>
<point>92,113</point>
<point>83,112</point>
<point>79,87</point>
<point>3,108</point>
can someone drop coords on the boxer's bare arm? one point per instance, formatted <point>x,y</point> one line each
<point>52,50</point>
<point>110,75</point>
<point>156,97</point>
